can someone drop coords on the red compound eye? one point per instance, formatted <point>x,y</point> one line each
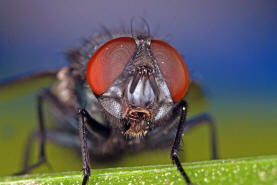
<point>108,62</point>
<point>173,68</point>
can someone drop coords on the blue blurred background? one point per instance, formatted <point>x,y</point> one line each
<point>230,47</point>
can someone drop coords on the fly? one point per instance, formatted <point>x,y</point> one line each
<point>121,92</point>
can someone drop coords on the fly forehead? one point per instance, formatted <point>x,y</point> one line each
<point>143,55</point>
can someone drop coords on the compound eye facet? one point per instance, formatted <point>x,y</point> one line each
<point>108,62</point>
<point>172,67</point>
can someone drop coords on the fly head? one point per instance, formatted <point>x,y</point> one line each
<point>134,80</point>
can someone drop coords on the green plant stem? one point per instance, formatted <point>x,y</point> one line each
<point>253,170</point>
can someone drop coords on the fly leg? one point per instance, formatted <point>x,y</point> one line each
<point>95,128</point>
<point>176,146</point>
<point>86,122</point>
<point>44,96</point>
<point>57,137</point>
<point>41,134</point>
<point>84,118</point>
<point>201,119</point>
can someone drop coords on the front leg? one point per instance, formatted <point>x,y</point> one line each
<point>84,145</point>
<point>86,122</point>
<point>176,146</point>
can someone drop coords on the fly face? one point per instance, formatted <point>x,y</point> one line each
<point>138,81</point>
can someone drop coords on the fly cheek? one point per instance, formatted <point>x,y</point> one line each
<point>108,62</point>
<point>172,67</point>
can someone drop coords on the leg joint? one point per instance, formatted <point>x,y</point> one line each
<point>174,154</point>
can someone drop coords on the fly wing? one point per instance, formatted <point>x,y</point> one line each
<point>26,83</point>
<point>196,98</point>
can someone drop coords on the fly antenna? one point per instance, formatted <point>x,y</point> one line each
<point>134,83</point>
<point>140,27</point>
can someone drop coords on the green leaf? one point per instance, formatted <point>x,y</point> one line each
<point>254,170</point>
